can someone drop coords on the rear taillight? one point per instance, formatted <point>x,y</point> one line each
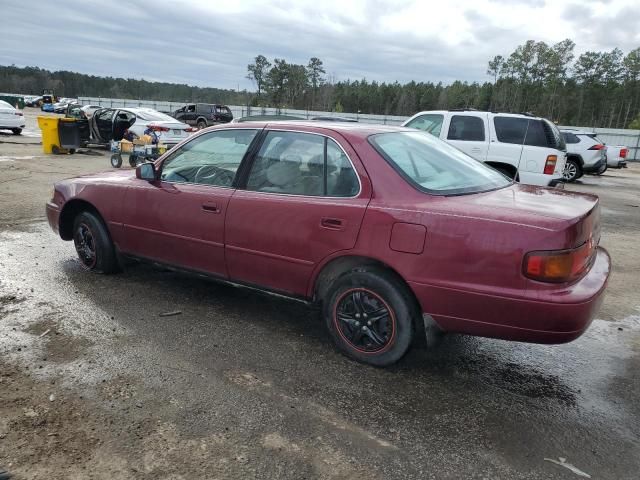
<point>597,146</point>
<point>559,265</point>
<point>623,153</point>
<point>158,128</point>
<point>550,164</point>
<point>18,113</point>
<point>191,129</point>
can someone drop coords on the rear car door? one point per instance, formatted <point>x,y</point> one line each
<point>302,202</point>
<point>179,219</point>
<point>468,132</point>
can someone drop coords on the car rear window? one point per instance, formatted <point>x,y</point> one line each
<point>152,115</point>
<point>435,167</point>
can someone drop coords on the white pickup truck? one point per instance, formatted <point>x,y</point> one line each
<point>527,148</point>
<point>617,156</point>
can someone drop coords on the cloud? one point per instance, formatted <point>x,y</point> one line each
<point>210,43</point>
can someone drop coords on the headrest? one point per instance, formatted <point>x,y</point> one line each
<point>283,173</point>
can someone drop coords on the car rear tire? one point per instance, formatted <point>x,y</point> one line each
<point>16,131</point>
<point>370,316</point>
<point>572,171</point>
<point>202,124</point>
<point>602,169</point>
<point>93,244</point>
<point>116,160</point>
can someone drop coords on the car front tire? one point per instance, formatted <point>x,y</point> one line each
<point>370,316</point>
<point>202,124</point>
<point>93,244</point>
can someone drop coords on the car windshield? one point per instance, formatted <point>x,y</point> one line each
<point>152,115</point>
<point>435,167</point>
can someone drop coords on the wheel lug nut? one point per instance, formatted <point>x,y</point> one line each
<point>369,323</point>
<point>364,315</point>
<point>357,315</point>
<point>357,324</point>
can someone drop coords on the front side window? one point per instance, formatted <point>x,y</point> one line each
<point>299,163</point>
<point>433,166</point>
<point>209,159</point>
<point>429,122</point>
<point>467,128</point>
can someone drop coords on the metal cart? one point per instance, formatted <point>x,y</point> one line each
<point>137,153</point>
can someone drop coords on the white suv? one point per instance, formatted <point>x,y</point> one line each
<point>527,148</point>
<point>585,154</point>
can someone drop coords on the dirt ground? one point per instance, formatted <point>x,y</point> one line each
<point>95,382</point>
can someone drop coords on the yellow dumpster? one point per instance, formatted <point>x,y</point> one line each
<point>50,138</point>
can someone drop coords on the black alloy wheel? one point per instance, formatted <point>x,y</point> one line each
<point>364,320</point>
<point>371,315</point>
<point>85,243</point>
<point>93,244</point>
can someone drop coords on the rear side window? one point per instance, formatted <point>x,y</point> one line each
<point>298,163</point>
<point>463,127</point>
<point>430,123</point>
<point>570,138</point>
<point>536,135</point>
<point>510,129</point>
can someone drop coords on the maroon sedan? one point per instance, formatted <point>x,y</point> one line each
<point>386,227</point>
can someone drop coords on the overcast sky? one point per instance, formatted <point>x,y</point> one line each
<point>210,43</point>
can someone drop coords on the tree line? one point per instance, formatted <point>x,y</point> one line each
<point>599,89</point>
<point>594,89</point>
<point>32,80</point>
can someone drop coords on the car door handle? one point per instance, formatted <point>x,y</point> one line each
<point>332,223</point>
<point>210,208</point>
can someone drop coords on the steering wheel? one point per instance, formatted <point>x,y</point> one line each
<point>220,176</point>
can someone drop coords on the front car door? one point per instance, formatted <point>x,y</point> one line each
<point>179,219</point>
<point>102,125</point>
<point>468,132</point>
<point>302,201</point>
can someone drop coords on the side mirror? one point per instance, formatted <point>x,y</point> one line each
<point>146,171</point>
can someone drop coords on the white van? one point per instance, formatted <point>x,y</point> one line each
<point>527,148</point>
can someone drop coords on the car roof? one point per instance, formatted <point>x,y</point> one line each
<point>495,114</point>
<point>360,130</point>
<point>575,131</point>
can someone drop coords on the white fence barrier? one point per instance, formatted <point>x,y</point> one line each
<point>610,136</point>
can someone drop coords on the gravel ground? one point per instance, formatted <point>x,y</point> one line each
<point>95,383</point>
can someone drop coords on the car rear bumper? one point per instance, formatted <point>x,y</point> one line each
<point>595,167</point>
<point>540,179</point>
<point>17,122</point>
<point>617,163</point>
<point>556,315</point>
<point>53,216</point>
